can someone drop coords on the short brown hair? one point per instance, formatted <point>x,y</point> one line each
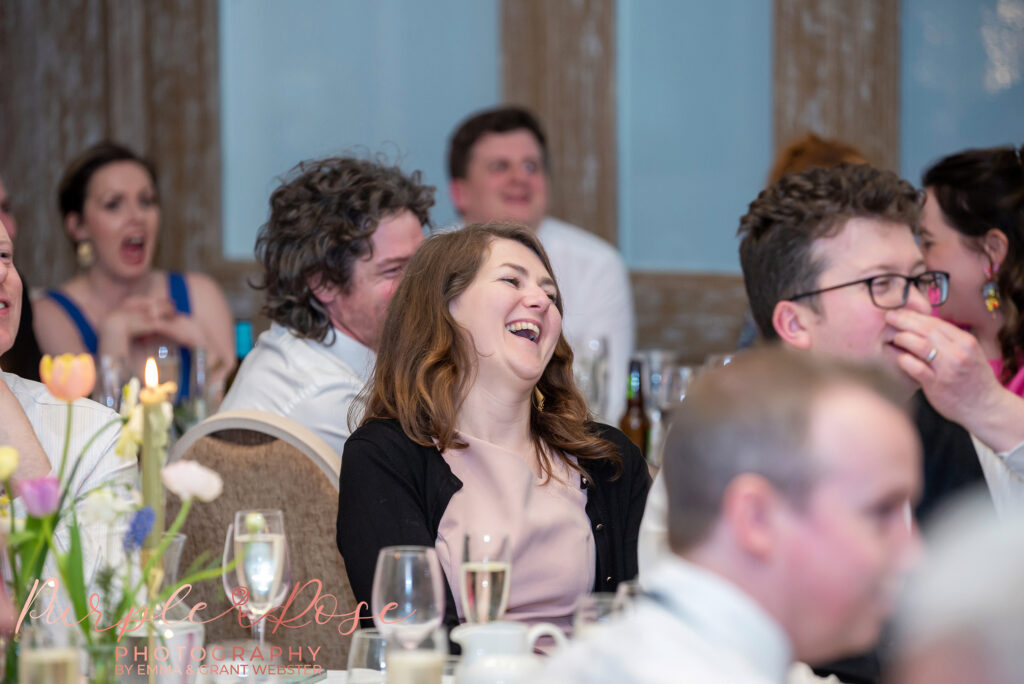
<point>782,224</point>
<point>811,150</point>
<point>425,363</point>
<point>752,416</point>
<point>498,120</point>
<point>321,221</point>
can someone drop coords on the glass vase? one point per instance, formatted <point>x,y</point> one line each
<point>102,662</point>
<point>171,646</point>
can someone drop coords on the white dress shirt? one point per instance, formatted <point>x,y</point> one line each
<point>697,627</point>
<point>313,383</point>
<point>48,416</point>
<point>597,298</point>
<point>99,465</point>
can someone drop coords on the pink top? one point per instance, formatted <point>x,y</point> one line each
<point>1016,384</point>
<point>550,540</point>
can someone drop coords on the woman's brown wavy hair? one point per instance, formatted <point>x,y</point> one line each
<point>426,361</point>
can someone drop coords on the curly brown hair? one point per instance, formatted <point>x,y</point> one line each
<point>978,190</point>
<point>321,221</point>
<point>426,361</point>
<point>782,224</point>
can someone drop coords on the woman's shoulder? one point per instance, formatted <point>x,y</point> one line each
<point>632,459</point>
<point>385,433</point>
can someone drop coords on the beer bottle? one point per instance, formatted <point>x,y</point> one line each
<point>634,422</point>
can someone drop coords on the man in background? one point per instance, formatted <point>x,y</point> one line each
<point>340,234</point>
<point>498,167</point>
<point>787,526</point>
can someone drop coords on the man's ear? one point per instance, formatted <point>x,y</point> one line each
<point>750,509</point>
<point>995,245</point>
<point>456,189</point>
<point>325,293</point>
<point>790,321</point>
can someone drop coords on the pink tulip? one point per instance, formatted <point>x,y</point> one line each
<point>68,377</point>
<point>41,495</point>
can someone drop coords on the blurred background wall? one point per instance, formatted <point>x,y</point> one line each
<point>663,115</point>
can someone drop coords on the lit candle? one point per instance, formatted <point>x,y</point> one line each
<point>156,421</point>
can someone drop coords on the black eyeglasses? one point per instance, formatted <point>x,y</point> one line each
<point>890,290</point>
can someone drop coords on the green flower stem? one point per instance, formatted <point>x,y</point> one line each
<point>67,441</point>
<point>165,541</point>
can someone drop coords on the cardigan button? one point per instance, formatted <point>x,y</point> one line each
<point>599,526</point>
<point>608,579</point>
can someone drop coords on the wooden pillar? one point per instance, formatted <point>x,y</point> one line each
<point>144,74</point>
<point>559,60</point>
<point>837,73</point>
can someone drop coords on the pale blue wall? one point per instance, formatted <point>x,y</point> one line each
<point>306,79</point>
<point>695,128</point>
<point>962,69</point>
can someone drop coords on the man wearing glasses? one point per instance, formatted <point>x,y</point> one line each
<point>831,265</point>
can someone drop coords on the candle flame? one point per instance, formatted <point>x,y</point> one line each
<point>152,379</point>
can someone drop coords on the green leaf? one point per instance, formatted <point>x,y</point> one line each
<point>74,577</point>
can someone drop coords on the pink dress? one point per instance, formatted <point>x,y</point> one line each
<point>551,543</point>
<point>1016,383</point>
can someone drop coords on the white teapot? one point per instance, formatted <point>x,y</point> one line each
<point>501,652</point>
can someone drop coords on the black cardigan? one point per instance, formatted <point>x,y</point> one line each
<point>394,492</point>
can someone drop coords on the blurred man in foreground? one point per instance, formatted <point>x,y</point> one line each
<point>787,526</point>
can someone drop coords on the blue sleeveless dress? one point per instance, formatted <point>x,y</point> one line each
<point>179,295</point>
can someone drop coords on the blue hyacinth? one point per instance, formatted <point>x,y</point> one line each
<point>138,528</point>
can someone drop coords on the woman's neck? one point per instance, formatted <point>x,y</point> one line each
<point>987,333</point>
<point>497,414</point>
<point>110,290</point>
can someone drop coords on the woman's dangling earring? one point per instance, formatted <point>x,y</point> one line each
<point>85,254</point>
<point>538,398</point>
<point>990,290</point>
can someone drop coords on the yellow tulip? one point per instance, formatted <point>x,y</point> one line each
<point>8,462</point>
<point>68,376</point>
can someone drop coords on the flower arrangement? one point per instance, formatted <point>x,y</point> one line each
<point>105,615</point>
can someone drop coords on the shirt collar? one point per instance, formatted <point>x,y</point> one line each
<point>722,613</point>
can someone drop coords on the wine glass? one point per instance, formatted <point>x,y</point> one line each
<point>409,580</point>
<point>484,576</point>
<point>256,565</point>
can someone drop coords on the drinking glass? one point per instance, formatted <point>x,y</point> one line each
<point>109,380</point>
<point>626,595</point>
<point>367,657</point>
<point>717,361</point>
<point>47,655</point>
<point>594,611</point>
<point>409,577</point>
<point>590,371</point>
<point>257,546</point>
<point>484,576</point>
<point>675,383</point>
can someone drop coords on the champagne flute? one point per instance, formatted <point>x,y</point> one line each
<point>484,576</point>
<point>409,579</point>
<point>257,546</point>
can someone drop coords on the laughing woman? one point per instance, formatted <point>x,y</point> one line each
<point>473,424</point>
<point>118,304</point>
<point>973,227</point>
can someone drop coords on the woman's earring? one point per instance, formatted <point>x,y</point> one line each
<point>990,290</point>
<point>85,254</point>
<point>538,398</point>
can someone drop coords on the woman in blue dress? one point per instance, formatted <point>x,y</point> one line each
<point>118,305</point>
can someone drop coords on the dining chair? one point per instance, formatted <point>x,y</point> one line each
<point>268,461</point>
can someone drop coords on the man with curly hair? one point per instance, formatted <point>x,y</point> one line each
<point>340,234</point>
